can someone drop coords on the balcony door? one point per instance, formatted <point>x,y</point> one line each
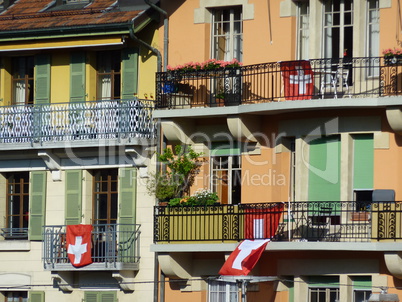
<point>338,29</point>
<point>105,196</point>
<point>227,34</point>
<point>109,75</point>
<point>23,80</point>
<point>18,204</point>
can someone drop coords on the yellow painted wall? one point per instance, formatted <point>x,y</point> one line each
<point>147,62</point>
<point>60,77</point>
<point>5,82</point>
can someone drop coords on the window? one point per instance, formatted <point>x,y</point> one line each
<point>303,30</point>
<point>338,28</point>
<point>361,288</point>
<point>16,297</point>
<point>109,75</point>
<point>226,178</point>
<point>227,34</point>
<point>361,295</point>
<point>105,196</point>
<point>219,291</point>
<point>100,297</point>
<point>323,294</point>
<point>373,36</point>
<point>17,216</point>
<point>23,80</point>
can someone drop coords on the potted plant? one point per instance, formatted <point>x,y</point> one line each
<point>392,56</point>
<point>177,175</point>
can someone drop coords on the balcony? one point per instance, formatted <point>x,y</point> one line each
<point>76,123</point>
<point>265,83</point>
<point>114,247</point>
<point>337,221</point>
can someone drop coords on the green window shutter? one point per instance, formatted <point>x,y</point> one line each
<point>324,169</point>
<point>36,296</point>
<point>127,195</point>
<point>100,297</point>
<point>129,72</point>
<point>42,79</point>
<point>363,161</point>
<point>91,296</point>
<point>108,297</point>
<point>77,77</point>
<point>73,197</point>
<point>38,197</point>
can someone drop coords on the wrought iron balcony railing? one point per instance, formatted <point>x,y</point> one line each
<point>115,119</point>
<point>114,247</point>
<point>294,221</point>
<point>273,82</point>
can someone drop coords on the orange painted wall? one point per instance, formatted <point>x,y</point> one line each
<point>264,39</point>
<point>390,27</point>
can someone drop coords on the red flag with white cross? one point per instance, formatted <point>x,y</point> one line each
<point>298,80</point>
<point>79,244</point>
<point>243,259</point>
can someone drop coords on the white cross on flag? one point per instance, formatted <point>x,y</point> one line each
<point>79,244</point>
<point>298,80</point>
<point>243,259</point>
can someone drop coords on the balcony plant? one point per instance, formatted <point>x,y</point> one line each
<point>211,64</point>
<point>392,56</point>
<point>181,167</point>
<point>200,198</point>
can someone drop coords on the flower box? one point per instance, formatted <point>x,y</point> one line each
<point>360,216</point>
<point>394,60</point>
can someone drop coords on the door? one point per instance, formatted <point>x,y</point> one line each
<point>338,29</point>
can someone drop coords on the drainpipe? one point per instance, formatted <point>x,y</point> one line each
<point>165,32</point>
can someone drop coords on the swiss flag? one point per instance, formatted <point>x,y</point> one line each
<point>263,222</point>
<point>79,244</point>
<point>243,259</point>
<point>297,79</point>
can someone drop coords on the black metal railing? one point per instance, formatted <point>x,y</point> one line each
<point>273,82</point>
<point>111,244</point>
<point>295,221</point>
<point>77,121</point>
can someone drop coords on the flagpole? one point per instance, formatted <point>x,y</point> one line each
<point>244,290</point>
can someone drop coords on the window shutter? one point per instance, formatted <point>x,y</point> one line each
<point>108,297</point>
<point>129,72</point>
<point>91,296</point>
<point>42,79</point>
<point>77,77</point>
<point>73,197</point>
<point>363,161</point>
<point>36,296</point>
<point>100,297</point>
<point>38,197</point>
<point>127,195</point>
<point>324,169</point>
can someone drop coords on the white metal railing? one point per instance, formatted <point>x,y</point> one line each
<point>110,244</point>
<point>112,119</point>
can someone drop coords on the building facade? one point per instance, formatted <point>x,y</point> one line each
<point>307,126</point>
<point>77,142</point>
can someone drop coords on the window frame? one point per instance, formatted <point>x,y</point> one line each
<point>230,171</point>
<point>113,58</point>
<point>23,72</point>
<point>111,181</point>
<point>215,293</point>
<point>19,189</point>
<point>21,296</point>
<point>218,23</point>
<point>327,290</point>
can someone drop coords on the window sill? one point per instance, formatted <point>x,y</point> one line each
<point>15,245</point>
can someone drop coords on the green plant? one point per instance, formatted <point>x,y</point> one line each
<point>200,198</point>
<point>180,169</point>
